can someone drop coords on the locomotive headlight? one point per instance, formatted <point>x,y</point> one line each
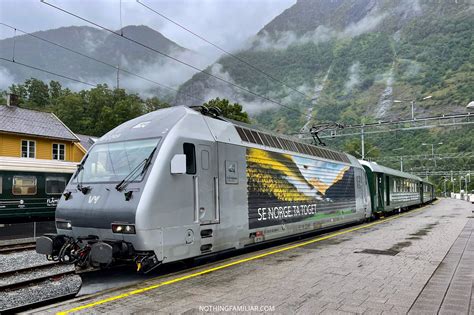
<point>63,225</point>
<point>123,228</point>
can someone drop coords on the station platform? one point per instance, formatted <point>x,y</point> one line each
<point>419,262</point>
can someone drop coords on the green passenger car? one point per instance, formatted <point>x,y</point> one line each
<point>31,188</point>
<point>427,192</point>
<point>391,190</point>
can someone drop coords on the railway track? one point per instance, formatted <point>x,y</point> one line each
<point>10,248</point>
<point>28,280</point>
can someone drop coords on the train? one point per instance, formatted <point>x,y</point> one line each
<point>181,183</point>
<point>30,188</point>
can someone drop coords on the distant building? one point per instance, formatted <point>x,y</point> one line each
<point>86,141</point>
<point>31,134</point>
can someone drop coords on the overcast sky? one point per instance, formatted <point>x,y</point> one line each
<point>225,22</point>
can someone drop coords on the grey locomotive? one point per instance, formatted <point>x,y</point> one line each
<point>176,184</point>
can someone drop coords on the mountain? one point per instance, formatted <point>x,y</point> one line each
<point>353,58</point>
<point>101,45</point>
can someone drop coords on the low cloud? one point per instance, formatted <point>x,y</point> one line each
<point>5,78</point>
<point>354,76</point>
<point>223,90</point>
<point>283,40</point>
<point>366,24</point>
<point>164,71</point>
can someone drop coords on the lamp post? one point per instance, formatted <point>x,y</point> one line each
<point>444,182</point>
<point>401,158</point>
<point>465,180</point>
<point>432,149</point>
<point>412,102</point>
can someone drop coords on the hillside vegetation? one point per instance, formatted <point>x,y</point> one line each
<point>353,59</point>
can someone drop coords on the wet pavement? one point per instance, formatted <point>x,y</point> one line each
<point>421,262</point>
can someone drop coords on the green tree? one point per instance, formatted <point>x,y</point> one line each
<point>38,93</point>
<point>231,111</point>
<point>353,147</point>
<point>154,103</point>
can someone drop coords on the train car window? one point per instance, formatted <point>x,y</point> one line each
<point>1,186</point>
<point>190,152</point>
<point>28,149</point>
<point>205,160</point>
<point>24,185</point>
<point>55,185</point>
<point>59,151</point>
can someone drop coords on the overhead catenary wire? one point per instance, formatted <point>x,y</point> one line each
<point>224,50</point>
<point>175,59</point>
<point>115,67</point>
<point>49,72</point>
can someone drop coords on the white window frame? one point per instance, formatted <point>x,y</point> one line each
<point>28,176</point>
<point>58,149</point>
<point>28,153</point>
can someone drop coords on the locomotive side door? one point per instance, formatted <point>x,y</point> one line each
<point>208,183</point>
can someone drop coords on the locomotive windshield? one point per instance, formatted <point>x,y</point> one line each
<point>111,162</point>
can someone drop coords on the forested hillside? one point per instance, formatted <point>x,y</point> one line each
<point>354,58</point>
<point>45,50</point>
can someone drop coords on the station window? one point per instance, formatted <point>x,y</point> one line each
<point>55,185</point>
<point>59,150</point>
<point>24,185</point>
<point>28,149</point>
<point>190,152</point>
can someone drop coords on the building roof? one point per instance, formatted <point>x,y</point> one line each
<point>19,120</point>
<point>86,141</point>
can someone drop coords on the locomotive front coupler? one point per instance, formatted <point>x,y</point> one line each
<point>50,244</point>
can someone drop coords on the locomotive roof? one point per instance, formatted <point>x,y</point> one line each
<point>249,134</point>
<point>222,129</point>
<point>374,167</point>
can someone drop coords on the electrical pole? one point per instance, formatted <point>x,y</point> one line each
<point>412,110</point>
<point>118,76</point>
<point>401,163</point>
<point>362,140</point>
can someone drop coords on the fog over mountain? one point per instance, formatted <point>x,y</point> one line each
<point>352,59</point>
<point>103,46</point>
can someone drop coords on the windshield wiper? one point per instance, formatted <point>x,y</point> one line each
<point>80,186</point>
<point>143,166</point>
